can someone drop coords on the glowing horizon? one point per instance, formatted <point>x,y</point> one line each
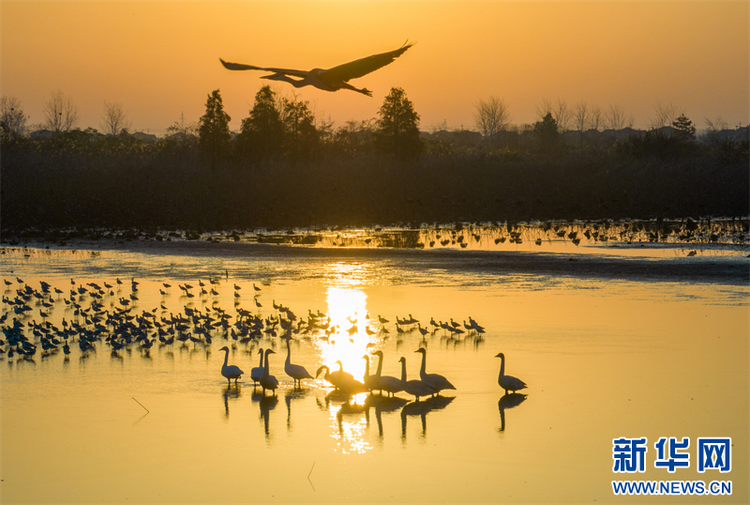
<point>160,59</point>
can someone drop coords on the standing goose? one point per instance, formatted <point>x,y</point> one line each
<point>257,372</point>
<point>327,375</point>
<point>390,385</point>
<point>266,380</point>
<point>347,383</point>
<point>230,371</point>
<point>343,381</point>
<point>508,382</point>
<point>435,380</point>
<point>415,387</point>
<point>296,372</point>
<point>371,381</point>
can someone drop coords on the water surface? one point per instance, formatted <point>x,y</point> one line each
<point>610,345</point>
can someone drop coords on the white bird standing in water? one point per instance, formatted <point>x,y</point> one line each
<point>257,372</point>
<point>390,385</point>
<point>266,380</point>
<point>415,387</point>
<point>296,372</point>
<point>508,382</point>
<point>371,381</point>
<point>333,79</point>
<point>435,380</point>
<point>341,380</point>
<point>230,371</point>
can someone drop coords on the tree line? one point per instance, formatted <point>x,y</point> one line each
<point>286,168</point>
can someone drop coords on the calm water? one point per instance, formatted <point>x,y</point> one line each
<point>605,355</point>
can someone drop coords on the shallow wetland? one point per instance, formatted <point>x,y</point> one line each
<point>616,339</point>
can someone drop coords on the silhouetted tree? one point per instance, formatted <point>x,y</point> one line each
<point>213,129</point>
<point>664,115</point>
<point>60,112</point>
<point>582,116</point>
<point>114,120</point>
<point>559,110</point>
<point>491,116</point>
<point>716,125</point>
<point>595,115</point>
<point>615,118</point>
<point>684,128</point>
<point>12,119</point>
<point>262,133</point>
<point>398,126</point>
<point>546,131</point>
<point>300,134</point>
<point>354,137</point>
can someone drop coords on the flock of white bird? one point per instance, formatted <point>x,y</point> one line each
<point>111,319</point>
<point>428,384</point>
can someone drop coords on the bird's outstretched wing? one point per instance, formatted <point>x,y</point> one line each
<point>242,66</point>
<point>362,66</point>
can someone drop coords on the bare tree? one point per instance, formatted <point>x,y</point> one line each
<point>596,121</point>
<point>616,119</point>
<point>582,116</point>
<point>114,120</point>
<point>491,116</point>
<point>544,108</point>
<point>716,125</point>
<point>664,115</point>
<point>559,110</point>
<point>562,115</point>
<point>182,131</point>
<point>12,117</point>
<point>60,113</point>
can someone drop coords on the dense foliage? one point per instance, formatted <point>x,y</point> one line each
<point>285,170</point>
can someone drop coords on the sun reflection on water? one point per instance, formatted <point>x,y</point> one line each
<point>350,434</point>
<point>346,339</point>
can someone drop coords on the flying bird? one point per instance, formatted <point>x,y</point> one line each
<point>333,79</point>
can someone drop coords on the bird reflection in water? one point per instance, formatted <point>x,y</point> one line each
<point>421,409</point>
<point>508,401</point>
<point>349,424</point>
<point>267,404</point>
<point>289,397</point>
<point>227,393</point>
<point>383,404</point>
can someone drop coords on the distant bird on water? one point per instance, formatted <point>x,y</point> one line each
<point>332,79</point>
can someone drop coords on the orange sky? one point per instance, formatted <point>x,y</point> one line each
<point>160,59</point>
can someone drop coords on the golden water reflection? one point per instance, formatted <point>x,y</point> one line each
<point>346,339</point>
<point>349,422</point>
<point>559,332</point>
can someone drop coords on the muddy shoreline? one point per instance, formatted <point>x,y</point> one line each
<point>732,269</point>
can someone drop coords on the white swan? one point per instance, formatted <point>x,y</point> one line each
<point>343,381</point>
<point>371,381</point>
<point>415,387</point>
<point>390,385</point>
<point>508,382</point>
<point>435,380</point>
<point>230,371</point>
<point>296,372</point>
<point>266,380</point>
<point>257,372</point>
